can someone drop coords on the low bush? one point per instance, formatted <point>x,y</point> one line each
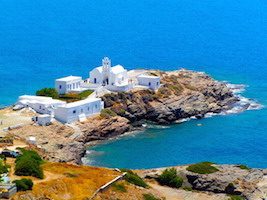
<point>48,92</point>
<point>150,197</point>
<point>119,187</point>
<point>202,168</point>
<point>3,167</point>
<point>187,188</point>
<point>23,184</point>
<point>28,164</point>
<point>133,178</point>
<point>243,167</point>
<point>170,178</point>
<point>235,197</point>
<point>107,113</point>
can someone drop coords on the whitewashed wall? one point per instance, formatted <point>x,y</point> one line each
<point>152,82</point>
<point>71,114</point>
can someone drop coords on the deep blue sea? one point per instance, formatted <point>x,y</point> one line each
<point>41,40</point>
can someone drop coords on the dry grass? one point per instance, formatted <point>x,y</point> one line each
<point>76,182</point>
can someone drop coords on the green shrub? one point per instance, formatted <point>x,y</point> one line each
<point>107,113</point>
<point>231,185</point>
<point>119,187</point>
<point>28,167</point>
<point>170,178</point>
<point>149,197</point>
<point>3,167</point>
<point>202,168</point>
<point>164,91</point>
<point>23,184</point>
<point>243,167</point>
<point>28,164</point>
<point>187,188</point>
<point>30,154</point>
<point>2,157</point>
<point>133,178</point>
<point>235,197</point>
<point>48,92</point>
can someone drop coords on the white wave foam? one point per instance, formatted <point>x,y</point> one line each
<point>243,103</point>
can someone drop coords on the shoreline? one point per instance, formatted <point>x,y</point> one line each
<point>201,97</point>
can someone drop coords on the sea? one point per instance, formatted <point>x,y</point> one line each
<point>41,40</point>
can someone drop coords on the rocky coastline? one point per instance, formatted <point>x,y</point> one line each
<point>185,94</point>
<point>249,183</point>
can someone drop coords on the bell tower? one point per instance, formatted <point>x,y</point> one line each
<point>106,63</point>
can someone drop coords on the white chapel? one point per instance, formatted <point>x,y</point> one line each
<point>106,75</point>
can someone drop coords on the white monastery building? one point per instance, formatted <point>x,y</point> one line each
<point>43,105</point>
<point>78,111</point>
<point>68,84</point>
<point>102,80</point>
<point>153,82</point>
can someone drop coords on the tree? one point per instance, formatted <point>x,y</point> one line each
<point>48,92</point>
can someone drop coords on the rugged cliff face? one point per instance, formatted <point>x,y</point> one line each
<point>185,94</point>
<point>100,129</point>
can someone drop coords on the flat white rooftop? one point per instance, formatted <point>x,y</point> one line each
<point>38,99</point>
<point>79,103</point>
<point>146,76</point>
<point>69,78</point>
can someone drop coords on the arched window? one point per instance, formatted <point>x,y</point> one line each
<point>94,80</point>
<point>74,111</point>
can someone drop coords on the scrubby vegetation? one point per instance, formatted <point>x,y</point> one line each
<point>119,187</point>
<point>133,178</point>
<point>107,113</point>
<point>48,92</point>
<point>24,184</point>
<point>3,167</point>
<point>202,168</point>
<point>150,197</point>
<point>190,87</point>
<point>28,164</point>
<point>60,186</point>
<point>243,167</point>
<point>235,197</point>
<point>72,97</point>
<point>187,188</point>
<point>170,178</point>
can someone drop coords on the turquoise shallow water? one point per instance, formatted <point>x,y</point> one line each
<point>44,40</point>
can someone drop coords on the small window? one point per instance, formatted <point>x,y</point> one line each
<point>40,107</point>
<point>74,111</point>
<point>88,108</point>
<point>60,86</point>
<point>149,83</point>
<point>95,80</point>
<point>81,110</point>
<point>95,106</point>
<point>157,83</point>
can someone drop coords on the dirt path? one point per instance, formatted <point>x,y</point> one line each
<point>176,194</point>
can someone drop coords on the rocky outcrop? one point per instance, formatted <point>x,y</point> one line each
<point>60,143</point>
<point>186,94</point>
<point>230,179</point>
<point>100,129</point>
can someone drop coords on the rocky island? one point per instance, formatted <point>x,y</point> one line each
<point>185,94</point>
